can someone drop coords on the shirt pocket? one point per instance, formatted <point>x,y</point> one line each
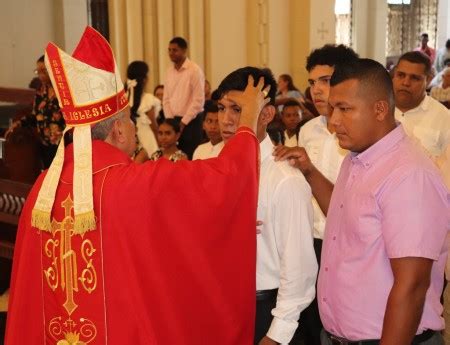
<point>367,226</point>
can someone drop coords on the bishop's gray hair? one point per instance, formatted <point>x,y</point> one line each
<point>101,130</point>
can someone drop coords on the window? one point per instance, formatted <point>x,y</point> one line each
<point>407,20</point>
<point>343,13</point>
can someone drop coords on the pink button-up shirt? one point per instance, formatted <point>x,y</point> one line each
<point>184,91</point>
<point>388,202</point>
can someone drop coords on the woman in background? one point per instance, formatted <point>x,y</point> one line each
<point>46,118</point>
<point>144,107</point>
<point>287,91</point>
<point>168,135</point>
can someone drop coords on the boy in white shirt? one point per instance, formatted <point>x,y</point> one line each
<point>213,147</point>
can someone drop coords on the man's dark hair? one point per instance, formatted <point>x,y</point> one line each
<point>238,79</point>
<point>424,35</point>
<point>447,62</point>
<point>41,59</point>
<point>331,55</point>
<point>210,107</point>
<point>174,123</point>
<point>419,58</point>
<point>291,103</point>
<point>372,76</point>
<point>180,42</point>
<point>447,44</point>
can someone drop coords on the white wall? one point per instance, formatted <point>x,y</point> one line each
<point>26,28</point>
<point>443,30</point>
<point>228,38</point>
<point>322,23</point>
<point>279,57</point>
<point>369,29</point>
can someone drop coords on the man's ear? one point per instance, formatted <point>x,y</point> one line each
<point>381,110</point>
<point>268,114</point>
<point>117,132</point>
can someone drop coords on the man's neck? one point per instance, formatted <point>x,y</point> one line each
<point>214,142</point>
<point>178,65</point>
<point>407,108</point>
<point>330,127</point>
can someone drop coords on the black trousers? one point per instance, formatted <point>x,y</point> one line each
<point>263,317</point>
<point>191,137</point>
<point>310,324</point>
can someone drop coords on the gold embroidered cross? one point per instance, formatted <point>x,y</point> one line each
<point>67,257</point>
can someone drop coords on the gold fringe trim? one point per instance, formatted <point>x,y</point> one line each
<point>41,220</point>
<point>84,222</point>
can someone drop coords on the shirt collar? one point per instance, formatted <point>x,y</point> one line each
<point>423,106</point>
<point>377,150</point>
<point>104,155</point>
<point>266,148</point>
<point>185,64</point>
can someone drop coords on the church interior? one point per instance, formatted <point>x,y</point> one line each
<point>222,36</point>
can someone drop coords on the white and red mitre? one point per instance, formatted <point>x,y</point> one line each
<point>89,90</point>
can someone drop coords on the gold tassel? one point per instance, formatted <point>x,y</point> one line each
<point>41,220</point>
<point>84,222</point>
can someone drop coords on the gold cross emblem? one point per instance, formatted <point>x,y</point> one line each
<point>65,273</point>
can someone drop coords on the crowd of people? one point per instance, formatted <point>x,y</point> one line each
<point>349,197</point>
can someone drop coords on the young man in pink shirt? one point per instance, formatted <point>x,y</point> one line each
<point>388,215</point>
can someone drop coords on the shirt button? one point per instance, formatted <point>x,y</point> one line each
<point>334,238</point>
<point>341,206</point>
<point>324,299</point>
<point>326,269</point>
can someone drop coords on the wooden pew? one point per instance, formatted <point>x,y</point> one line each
<point>12,198</point>
<point>20,151</point>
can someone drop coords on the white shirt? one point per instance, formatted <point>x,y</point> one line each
<point>429,123</point>
<point>290,142</point>
<point>144,132</point>
<point>440,94</point>
<point>207,150</point>
<point>324,151</point>
<point>285,252</point>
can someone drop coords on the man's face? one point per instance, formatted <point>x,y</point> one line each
<point>410,83</point>
<point>319,81</point>
<point>211,127</point>
<point>291,117</point>
<point>176,54</point>
<point>353,116</point>
<point>229,115</point>
<point>42,73</point>
<point>424,40</point>
<point>446,78</point>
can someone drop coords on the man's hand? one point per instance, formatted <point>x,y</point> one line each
<point>251,102</point>
<point>267,341</point>
<point>297,157</point>
<point>11,129</point>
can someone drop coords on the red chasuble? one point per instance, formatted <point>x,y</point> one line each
<point>172,260</point>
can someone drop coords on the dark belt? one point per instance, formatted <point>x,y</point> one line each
<point>263,295</point>
<point>418,339</point>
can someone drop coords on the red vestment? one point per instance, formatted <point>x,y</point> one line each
<point>172,260</point>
